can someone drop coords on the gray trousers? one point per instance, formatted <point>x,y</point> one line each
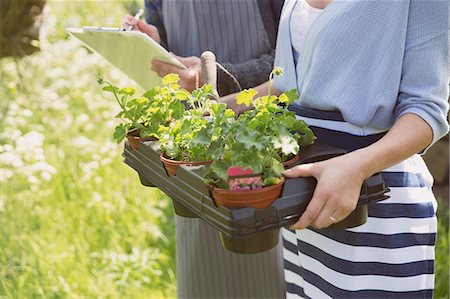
<point>206,270</point>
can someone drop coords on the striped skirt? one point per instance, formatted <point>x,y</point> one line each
<point>392,255</point>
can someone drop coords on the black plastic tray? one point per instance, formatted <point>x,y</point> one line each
<point>244,230</point>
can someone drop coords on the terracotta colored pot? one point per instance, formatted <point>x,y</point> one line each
<point>134,139</point>
<point>259,199</point>
<point>172,165</point>
<point>291,162</point>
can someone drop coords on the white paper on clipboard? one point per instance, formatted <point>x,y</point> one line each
<point>129,51</point>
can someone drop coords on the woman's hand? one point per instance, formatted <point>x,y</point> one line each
<point>148,29</point>
<point>190,78</point>
<point>337,192</point>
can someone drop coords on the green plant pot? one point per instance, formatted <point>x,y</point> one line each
<point>255,243</point>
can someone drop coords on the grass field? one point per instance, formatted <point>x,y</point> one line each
<point>74,220</point>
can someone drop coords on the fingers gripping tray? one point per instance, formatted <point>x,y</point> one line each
<point>245,230</point>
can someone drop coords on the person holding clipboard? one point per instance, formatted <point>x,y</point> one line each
<point>242,34</point>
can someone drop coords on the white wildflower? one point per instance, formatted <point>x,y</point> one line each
<point>27,113</point>
<point>5,174</point>
<point>46,176</point>
<point>82,141</point>
<point>82,119</point>
<point>29,141</point>
<point>43,167</point>
<point>11,159</point>
<point>32,180</point>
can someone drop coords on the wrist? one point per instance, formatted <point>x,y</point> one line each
<point>365,162</point>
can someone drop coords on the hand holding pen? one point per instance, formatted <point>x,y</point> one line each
<point>137,16</point>
<point>133,23</point>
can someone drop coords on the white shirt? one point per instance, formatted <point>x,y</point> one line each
<point>303,16</point>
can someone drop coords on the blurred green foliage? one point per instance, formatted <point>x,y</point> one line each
<point>74,220</point>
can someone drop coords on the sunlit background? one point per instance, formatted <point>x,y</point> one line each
<point>75,222</point>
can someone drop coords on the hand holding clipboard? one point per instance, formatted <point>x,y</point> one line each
<point>190,77</point>
<point>130,51</point>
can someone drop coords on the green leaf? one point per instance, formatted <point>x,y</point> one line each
<point>229,113</point>
<point>181,95</point>
<point>289,97</point>
<point>249,139</point>
<point>177,109</point>
<point>120,114</point>
<point>246,97</point>
<point>120,132</point>
<point>220,169</point>
<point>202,138</point>
<point>249,159</point>
<point>141,100</point>
<point>170,79</point>
<point>271,181</point>
<point>111,88</point>
<point>283,98</point>
<point>127,90</point>
<point>150,94</point>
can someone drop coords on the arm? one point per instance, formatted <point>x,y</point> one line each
<point>340,179</point>
<point>255,71</point>
<point>250,73</point>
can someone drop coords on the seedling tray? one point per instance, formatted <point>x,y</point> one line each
<point>244,230</point>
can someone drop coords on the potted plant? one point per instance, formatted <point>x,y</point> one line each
<point>259,142</point>
<point>270,115</point>
<point>198,137</point>
<point>143,116</point>
<point>249,173</point>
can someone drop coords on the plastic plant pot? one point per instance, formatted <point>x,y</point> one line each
<point>171,166</point>
<point>259,199</point>
<point>256,243</point>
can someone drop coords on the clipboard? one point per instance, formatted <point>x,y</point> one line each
<point>129,51</point>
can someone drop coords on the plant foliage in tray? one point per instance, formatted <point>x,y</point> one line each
<point>192,127</point>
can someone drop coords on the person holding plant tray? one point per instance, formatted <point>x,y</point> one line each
<point>373,78</point>
<point>242,34</point>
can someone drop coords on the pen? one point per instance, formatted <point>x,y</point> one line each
<point>137,17</point>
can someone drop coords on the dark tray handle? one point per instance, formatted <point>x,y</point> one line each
<point>319,151</point>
